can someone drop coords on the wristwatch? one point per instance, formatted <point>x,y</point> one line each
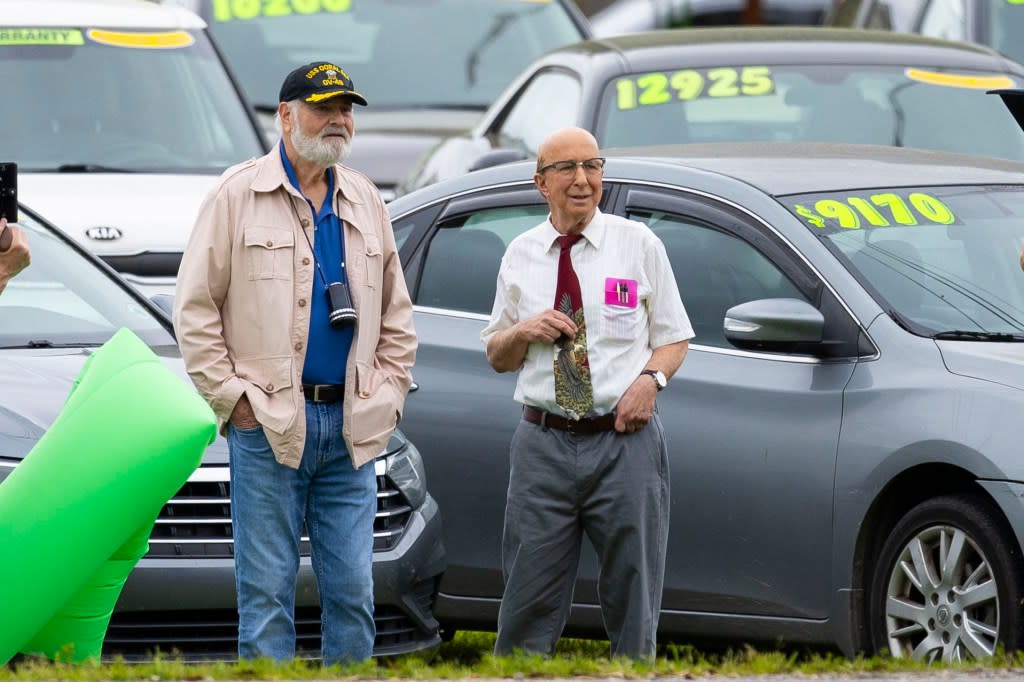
<point>659,377</point>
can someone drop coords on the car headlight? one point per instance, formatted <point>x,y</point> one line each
<point>405,468</point>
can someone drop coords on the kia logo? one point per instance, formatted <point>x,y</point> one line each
<point>103,234</point>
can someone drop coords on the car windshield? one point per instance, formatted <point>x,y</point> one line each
<point>943,260</point>
<point>1007,28</point>
<point>892,106</point>
<point>62,299</point>
<point>91,100</point>
<point>401,53</point>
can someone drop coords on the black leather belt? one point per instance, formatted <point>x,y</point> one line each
<point>324,393</point>
<point>606,422</point>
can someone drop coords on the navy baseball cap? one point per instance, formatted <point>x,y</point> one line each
<point>318,81</point>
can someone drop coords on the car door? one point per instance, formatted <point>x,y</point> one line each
<point>461,414</point>
<point>752,436</point>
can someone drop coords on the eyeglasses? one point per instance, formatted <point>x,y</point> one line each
<point>567,169</point>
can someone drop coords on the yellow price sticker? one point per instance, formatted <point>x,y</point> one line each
<point>884,209</point>
<point>141,39</point>
<point>41,36</point>
<point>233,10</point>
<point>960,80</point>
<point>651,89</point>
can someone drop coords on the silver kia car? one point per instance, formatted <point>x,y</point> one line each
<point>181,596</point>
<point>844,435</point>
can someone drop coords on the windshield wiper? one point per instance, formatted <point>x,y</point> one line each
<point>46,343</point>
<point>90,168</point>
<point>973,335</point>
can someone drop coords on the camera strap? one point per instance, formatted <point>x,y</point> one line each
<point>316,261</point>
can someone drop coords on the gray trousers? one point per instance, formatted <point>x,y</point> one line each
<point>615,488</point>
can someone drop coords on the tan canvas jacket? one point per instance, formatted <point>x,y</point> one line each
<point>242,305</point>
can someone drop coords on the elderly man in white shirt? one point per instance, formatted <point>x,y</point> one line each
<point>587,310</point>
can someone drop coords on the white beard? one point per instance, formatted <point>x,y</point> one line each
<point>319,151</point>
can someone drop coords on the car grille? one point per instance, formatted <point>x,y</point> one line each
<point>196,522</point>
<point>213,634</point>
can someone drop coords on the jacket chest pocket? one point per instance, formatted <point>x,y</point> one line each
<point>371,262</point>
<point>269,253</point>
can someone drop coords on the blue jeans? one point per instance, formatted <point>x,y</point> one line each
<point>269,502</point>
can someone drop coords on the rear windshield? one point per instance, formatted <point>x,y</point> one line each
<point>128,100</point>
<point>400,53</point>
<point>939,258</point>
<point>898,106</point>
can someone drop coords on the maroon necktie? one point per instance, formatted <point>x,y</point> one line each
<point>574,392</point>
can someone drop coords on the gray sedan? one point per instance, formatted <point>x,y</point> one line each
<point>844,435</point>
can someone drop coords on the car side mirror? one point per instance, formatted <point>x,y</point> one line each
<point>496,157</point>
<point>780,325</point>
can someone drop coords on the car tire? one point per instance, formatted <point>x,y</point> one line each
<point>966,611</point>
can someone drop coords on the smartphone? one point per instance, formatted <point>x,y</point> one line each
<point>8,200</point>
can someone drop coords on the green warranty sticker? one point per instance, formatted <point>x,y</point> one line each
<point>41,36</point>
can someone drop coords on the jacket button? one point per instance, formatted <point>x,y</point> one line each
<point>364,394</point>
<point>305,261</point>
<point>305,222</point>
<point>270,387</point>
<point>302,303</point>
<point>269,243</point>
<point>298,346</point>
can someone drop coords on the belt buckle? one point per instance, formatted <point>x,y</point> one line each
<point>571,426</point>
<point>316,392</point>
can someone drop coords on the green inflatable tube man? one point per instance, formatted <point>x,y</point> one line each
<point>76,514</point>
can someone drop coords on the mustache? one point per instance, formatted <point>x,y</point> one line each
<point>335,130</point>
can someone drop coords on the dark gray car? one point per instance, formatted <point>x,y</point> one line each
<point>739,84</point>
<point>844,446</point>
<point>181,596</point>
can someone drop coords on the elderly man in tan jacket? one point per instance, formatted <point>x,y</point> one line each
<point>296,326</point>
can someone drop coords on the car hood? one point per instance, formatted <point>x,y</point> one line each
<point>387,144</point>
<point>36,383</point>
<point>1000,363</point>
<point>150,211</point>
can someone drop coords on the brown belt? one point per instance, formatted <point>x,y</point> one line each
<point>606,422</point>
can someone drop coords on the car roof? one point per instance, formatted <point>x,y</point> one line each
<point>782,45</point>
<point>781,168</point>
<point>775,168</point>
<point>134,14</point>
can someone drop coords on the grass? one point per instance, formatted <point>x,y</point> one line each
<point>468,656</point>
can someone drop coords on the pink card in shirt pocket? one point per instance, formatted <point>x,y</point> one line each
<point>620,292</point>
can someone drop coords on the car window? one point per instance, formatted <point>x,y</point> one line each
<point>62,298</point>
<point>885,105</point>
<point>401,54</point>
<point>99,99</point>
<point>1006,26</point>
<point>944,19</point>
<point>941,258</point>
<point>551,100</point>
<point>714,271</point>
<point>460,269</point>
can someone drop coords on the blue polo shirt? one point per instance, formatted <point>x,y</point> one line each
<point>327,348</point>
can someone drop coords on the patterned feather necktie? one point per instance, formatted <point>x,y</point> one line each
<point>574,391</point>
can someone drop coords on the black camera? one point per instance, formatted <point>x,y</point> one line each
<point>342,313</point>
